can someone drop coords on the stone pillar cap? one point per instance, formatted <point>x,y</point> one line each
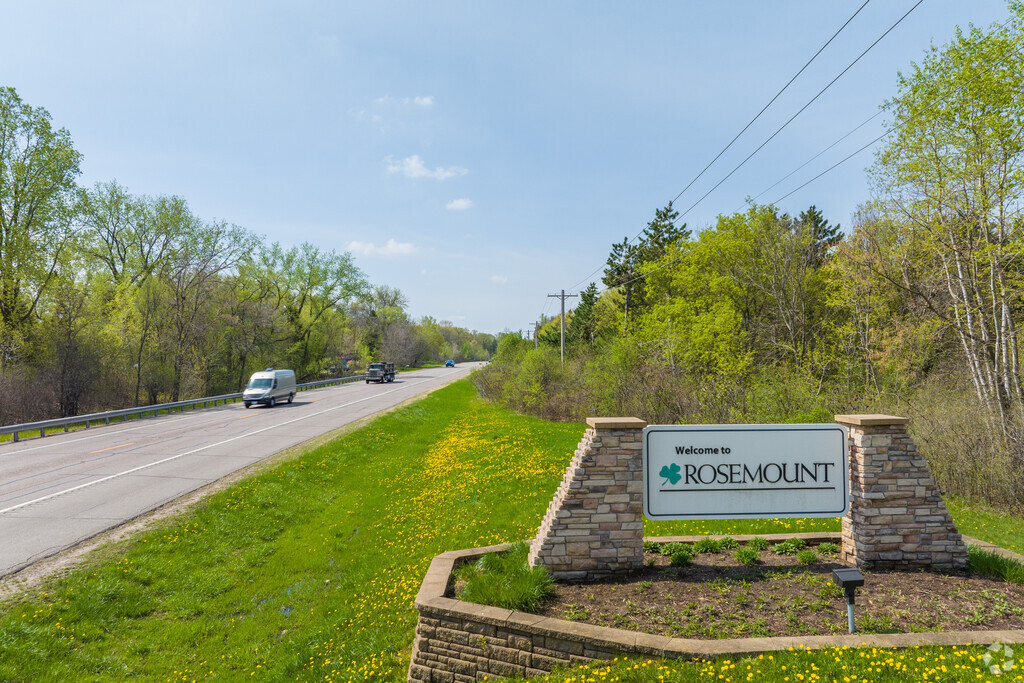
<point>872,420</point>
<point>616,422</point>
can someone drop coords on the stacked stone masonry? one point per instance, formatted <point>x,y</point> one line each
<point>452,650</point>
<point>897,516</point>
<point>594,526</point>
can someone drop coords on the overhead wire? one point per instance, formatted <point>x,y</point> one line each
<point>749,123</point>
<point>898,127</point>
<point>801,110</point>
<point>770,102</point>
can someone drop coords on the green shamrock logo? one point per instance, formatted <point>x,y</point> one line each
<point>671,474</point>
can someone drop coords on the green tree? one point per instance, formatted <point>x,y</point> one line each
<point>622,271</point>
<point>582,327</point>
<point>38,167</point>
<point>951,180</point>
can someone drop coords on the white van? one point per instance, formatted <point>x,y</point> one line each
<point>270,386</point>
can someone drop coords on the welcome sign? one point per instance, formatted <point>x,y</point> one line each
<point>741,471</point>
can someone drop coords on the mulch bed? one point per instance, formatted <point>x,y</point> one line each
<point>717,597</point>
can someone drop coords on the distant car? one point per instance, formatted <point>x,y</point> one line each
<point>449,363</point>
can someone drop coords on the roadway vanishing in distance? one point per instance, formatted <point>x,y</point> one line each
<point>63,489</point>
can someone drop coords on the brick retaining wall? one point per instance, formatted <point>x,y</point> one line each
<point>461,642</point>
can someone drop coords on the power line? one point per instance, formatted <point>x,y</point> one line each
<point>770,102</point>
<point>749,123</point>
<point>801,166</point>
<point>801,110</point>
<point>781,128</point>
<point>898,127</point>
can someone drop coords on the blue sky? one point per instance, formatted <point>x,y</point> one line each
<point>479,156</point>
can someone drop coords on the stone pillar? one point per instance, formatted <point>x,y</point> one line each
<point>594,526</point>
<point>897,516</point>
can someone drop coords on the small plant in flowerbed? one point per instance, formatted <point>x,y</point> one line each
<point>679,554</point>
<point>758,543</point>
<point>808,556</point>
<point>504,579</point>
<point>747,556</point>
<point>790,546</point>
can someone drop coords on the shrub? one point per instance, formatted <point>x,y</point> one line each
<point>652,547</point>
<point>807,556</point>
<point>708,545</point>
<point>728,543</point>
<point>747,556</point>
<point>681,557</point>
<point>790,546</point>
<point>758,543</point>
<point>668,549</point>
<point>505,580</point>
<point>828,548</point>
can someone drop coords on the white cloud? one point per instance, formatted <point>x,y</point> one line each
<point>391,248</point>
<point>413,167</point>
<point>423,271</point>
<point>459,204</point>
<point>419,101</point>
<point>499,279</point>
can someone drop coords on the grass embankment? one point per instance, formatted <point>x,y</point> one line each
<point>309,570</point>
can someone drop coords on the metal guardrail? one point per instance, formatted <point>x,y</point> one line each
<point>141,411</point>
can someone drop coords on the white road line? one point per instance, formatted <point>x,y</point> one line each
<point>203,448</point>
<point>142,425</point>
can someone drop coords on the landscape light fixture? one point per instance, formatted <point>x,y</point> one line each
<point>849,580</point>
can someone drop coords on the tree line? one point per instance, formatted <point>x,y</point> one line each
<point>110,299</point>
<point>767,317</point>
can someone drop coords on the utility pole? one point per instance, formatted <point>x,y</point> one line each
<point>563,296</point>
<point>536,331</point>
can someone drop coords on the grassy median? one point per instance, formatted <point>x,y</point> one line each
<point>308,571</point>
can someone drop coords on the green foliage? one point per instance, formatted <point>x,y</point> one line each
<point>38,167</point>
<point>758,543</point>
<point>673,547</point>
<point>505,580</point>
<point>728,543</point>
<point>790,546</point>
<point>828,548</point>
<point>681,557</point>
<point>652,547</point>
<point>808,556</point>
<point>747,556</point>
<point>708,545</point>
<point>992,564</point>
<point>583,326</point>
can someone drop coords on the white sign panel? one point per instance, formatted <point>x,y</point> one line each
<point>739,471</point>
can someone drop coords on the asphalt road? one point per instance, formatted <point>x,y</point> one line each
<point>60,490</point>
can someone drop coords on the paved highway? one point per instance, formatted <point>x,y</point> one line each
<point>60,490</point>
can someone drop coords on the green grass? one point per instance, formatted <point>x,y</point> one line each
<point>504,580</point>
<point>861,665</point>
<point>991,564</point>
<point>308,571</point>
<point>986,524</point>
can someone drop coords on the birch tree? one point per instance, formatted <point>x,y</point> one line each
<point>952,177</point>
